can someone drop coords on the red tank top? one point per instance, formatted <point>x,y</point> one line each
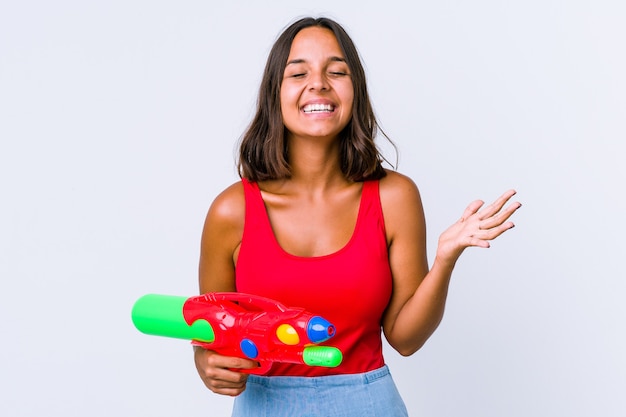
<point>350,288</point>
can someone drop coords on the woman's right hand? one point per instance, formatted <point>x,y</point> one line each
<point>218,374</point>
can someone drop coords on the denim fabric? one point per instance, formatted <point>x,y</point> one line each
<point>370,394</point>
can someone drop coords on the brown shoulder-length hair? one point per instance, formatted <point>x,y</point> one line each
<point>263,148</point>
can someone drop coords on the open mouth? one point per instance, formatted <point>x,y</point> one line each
<point>318,108</point>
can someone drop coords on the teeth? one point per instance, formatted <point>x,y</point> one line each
<point>310,108</point>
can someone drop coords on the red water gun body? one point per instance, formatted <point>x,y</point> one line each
<point>241,325</point>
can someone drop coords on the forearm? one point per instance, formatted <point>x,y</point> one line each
<point>420,316</point>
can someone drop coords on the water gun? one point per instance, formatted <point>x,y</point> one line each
<point>241,325</point>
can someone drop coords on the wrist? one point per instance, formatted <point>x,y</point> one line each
<point>445,262</point>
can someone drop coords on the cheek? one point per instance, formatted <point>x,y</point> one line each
<point>288,108</point>
<point>347,94</point>
<point>349,102</point>
<point>288,99</point>
<point>284,103</point>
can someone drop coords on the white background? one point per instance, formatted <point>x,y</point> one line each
<point>118,126</point>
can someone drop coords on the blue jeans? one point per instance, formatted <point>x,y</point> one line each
<point>370,394</point>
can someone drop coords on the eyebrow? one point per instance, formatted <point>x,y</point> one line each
<point>302,61</point>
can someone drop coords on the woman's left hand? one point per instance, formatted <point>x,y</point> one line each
<point>476,227</point>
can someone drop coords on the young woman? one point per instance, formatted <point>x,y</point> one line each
<point>317,222</point>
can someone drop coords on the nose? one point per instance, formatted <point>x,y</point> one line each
<point>318,81</point>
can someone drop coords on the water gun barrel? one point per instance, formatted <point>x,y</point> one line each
<point>162,315</point>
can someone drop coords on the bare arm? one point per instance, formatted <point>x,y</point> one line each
<point>419,294</point>
<point>221,237</point>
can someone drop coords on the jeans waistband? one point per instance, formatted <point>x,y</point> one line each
<point>316,381</point>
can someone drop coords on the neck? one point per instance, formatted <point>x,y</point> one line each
<point>315,167</point>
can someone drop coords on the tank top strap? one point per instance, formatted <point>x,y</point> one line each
<point>253,195</point>
<point>369,194</point>
<point>257,230</point>
<point>371,208</point>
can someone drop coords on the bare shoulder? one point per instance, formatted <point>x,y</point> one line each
<point>401,202</point>
<point>398,189</point>
<point>229,207</point>
<point>226,217</point>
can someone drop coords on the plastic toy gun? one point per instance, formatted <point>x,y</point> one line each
<point>241,325</point>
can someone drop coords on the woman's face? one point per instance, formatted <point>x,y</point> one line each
<point>316,93</point>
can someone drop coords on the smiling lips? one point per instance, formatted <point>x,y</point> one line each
<point>318,108</point>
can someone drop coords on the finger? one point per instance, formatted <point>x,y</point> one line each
<point>471,209</point>
<point>476,240</point>
<point>497,205</point>
<point>224,375</point>
<point>226,387</point>
<point>231,392</point>
<point>219,373</point>
<point>224,381</point>
<point>494,232</point>
<point>499,218</point>
<point>232,362</point>
<point>225,378</point>
<point>211,359</point>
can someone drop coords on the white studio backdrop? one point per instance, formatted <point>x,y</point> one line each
<point>118,127</point>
